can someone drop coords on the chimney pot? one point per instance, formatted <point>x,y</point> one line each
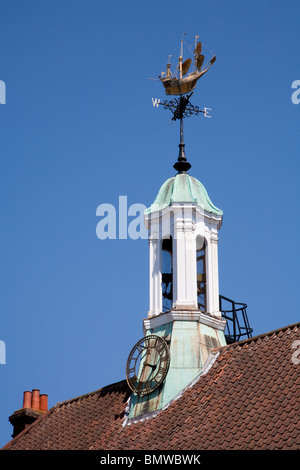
<point>27,399</point>
<point>34,405</point>
<point>35,400</point>
<point>43,402</point>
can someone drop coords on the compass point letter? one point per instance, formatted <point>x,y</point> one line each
<point>205,112</point>
<point>155,102</point>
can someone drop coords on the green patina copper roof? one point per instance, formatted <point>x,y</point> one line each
<point>183,188</point>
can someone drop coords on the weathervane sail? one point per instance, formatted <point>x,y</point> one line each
<point>184,85</point>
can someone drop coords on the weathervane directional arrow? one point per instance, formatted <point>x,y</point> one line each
<point>181,107</point>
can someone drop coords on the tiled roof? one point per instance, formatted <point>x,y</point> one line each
<point>248,399</point>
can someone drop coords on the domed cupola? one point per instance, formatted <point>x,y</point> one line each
<point>186,189</point>
<point>183,226</point>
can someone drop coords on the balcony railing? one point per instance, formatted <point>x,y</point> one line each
<point>237,325</point>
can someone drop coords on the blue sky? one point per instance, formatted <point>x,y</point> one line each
<point>78,129</point>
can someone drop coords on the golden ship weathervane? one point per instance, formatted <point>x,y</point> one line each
<point>181,83</point>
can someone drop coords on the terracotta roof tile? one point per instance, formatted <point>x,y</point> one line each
<point>249,399</point>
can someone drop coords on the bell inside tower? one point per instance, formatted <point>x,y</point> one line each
<point>167,274</point>
<point>201,273</point>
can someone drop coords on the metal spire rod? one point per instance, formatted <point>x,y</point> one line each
<point>182,165</point>
<point>181,108</point>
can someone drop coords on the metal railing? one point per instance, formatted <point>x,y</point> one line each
<point>237,325</point>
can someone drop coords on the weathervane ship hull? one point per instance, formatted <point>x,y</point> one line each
<point>181,86</point>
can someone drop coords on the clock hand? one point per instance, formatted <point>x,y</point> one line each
<point>150,365</point>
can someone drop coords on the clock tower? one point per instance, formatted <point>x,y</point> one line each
<point>183,227</point>
<point>184,322</point>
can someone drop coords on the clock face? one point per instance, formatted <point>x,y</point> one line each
<point>147,364</point>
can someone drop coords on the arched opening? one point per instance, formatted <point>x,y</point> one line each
<point>167,274</point>
<point>201,273</point>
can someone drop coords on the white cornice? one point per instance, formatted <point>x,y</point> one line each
<point>176,208</point>
<point>216,322</point>
<point>184,315</point>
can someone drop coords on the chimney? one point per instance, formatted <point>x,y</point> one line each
<point>34,406</point>
<point>35,399</point>
<point>27,400</point>
<point>43,402</point>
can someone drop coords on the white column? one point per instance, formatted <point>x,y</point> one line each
<point>184,264</point>
<point>179,265</point>
<point>191,269</point>
<point>215,267</point>
<point>155,300</point>
<point>208,276</point>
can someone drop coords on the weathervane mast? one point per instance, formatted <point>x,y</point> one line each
<point>183,87</point>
